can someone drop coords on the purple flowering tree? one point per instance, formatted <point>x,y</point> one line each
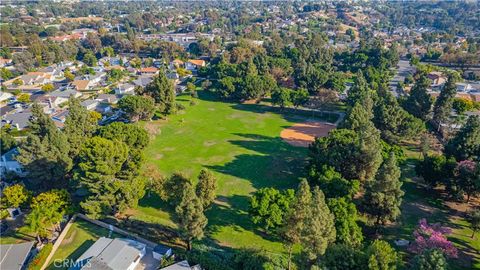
<point>432,236</point>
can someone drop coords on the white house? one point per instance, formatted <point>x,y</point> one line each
<point>125,89</point>
<point>106,253</point>
<point>10,164</point>
<point>193,65</point>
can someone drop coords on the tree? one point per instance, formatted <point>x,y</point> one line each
<point>48,87</point>
<point>281,97</point>
<point>24,98</point>
<point>45,152</point>
<point>333,184</point>
<point>134,136</point>
<point>5,74</point>
<point>192,90</point>
<point>345,212</point>
<point>191,219</point>
<point>359,90</point>
<point>68,75</point>
<point>90,59</point>
<point>162,91</point>
<point>137,107</point>
<point>434,169</point>
<point>474,219</point>
<point>7,141</point>
<point>444,103</point>
<point>174,187</point>
<point>383,195</point>
<point>24,61</point>
<point>295,219</point>
<point>466,143</point>
<point>320,226</point>
<point>343,257</point>
<point>430,259</point>
<point>48,209</point>
<point>80,125</point>
<point>206,188</point>
<point>419,102</point>
<point>394,122</point>
<point>100,170</point>
<point>467,178</point>
<point>381,256</point>
<point>268,206</point>
<point>432,236</point>
<point>15,195</point>
<point>299,97</point>
<point>355,155</point>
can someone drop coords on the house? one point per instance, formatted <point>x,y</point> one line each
<point>148,71</point>
<point>59,118</point>
<point>463,87</point>
<point>177,63</point>
<point>5,62</point>
<point>173,76</point>
<point>161,251</point>
<point>108,98</point>
<point>183,265</point>
<point>107,253</point>
<point>125,89</point>
<point>19,120</point>
<point>143,80</point>
<point>10,164</point>
<point>194,64</point>
<point>82,85</point>
<point>65,94</point>
<point>15,256</point>
<point>437,78</point>
<point>90,104</point>
<point>96,105</point>
<point>5,96</point>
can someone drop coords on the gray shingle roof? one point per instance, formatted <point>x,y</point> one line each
<point>13,256</point>
<point>106,254</point>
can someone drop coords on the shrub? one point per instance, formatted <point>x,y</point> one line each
<point>40,258</point>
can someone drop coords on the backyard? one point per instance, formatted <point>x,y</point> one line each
<point>81,235</point>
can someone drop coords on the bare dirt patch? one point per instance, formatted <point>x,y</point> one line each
<point>302,134</point>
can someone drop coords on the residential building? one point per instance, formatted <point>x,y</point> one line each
<point>183,265</point>
<point>194,64</point>
<point>160,252</point>
<point>82,85</point>
<point>10,164</point>
<point>148,71</point>
<point>108,98</point>
<point>106,253</point>
<point>143,80</point>
<point>18,120</point>
<point>125,89</point>
<point>15,256</point>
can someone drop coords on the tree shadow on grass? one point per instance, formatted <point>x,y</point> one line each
<point>289,114</point>
<point>233,213</point>
<point>276,164</point>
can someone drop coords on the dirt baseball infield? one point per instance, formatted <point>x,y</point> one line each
<point>303,134</point>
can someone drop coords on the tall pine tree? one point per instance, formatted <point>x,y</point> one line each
<point>45,152</point>
<point>419,102</point>
<point>206,187</point>
<point>80,125</point>
<point>162,91</point>
<point>383,195</point>
<point>191,219</point>
<point>320,226</point>
<point>444,103</point>
<point>294,224</point>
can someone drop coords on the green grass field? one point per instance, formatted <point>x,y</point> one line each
<point>240,144</point>
<point>81,235</point>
